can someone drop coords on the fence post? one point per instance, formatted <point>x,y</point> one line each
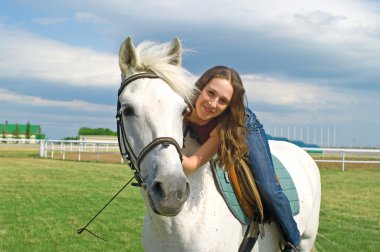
<point>52,150</point>
<point>343,157</point>
<point>79,144</point>
<point>45,149</point>
<point>97,151</point>
<point>42,150</point>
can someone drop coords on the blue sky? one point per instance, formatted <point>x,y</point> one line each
<point>308,66</point>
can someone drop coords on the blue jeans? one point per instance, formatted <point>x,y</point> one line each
<point>261,165</point>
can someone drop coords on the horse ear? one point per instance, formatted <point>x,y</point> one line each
<point>127,55</point>
<point>175,52</point>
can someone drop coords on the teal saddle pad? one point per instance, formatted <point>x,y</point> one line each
<point>225,188</point>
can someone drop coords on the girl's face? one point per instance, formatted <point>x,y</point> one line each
<point>214,98</point>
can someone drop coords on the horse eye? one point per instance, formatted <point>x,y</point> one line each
<point>127,110</point>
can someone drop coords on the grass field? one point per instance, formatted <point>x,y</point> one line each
<point>43,202</point>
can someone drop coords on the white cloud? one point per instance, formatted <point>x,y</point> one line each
<point>295,95</point>
<point>347,29</point>
<point>88,17</point>
<point>26,55</point>
<point>337,41</point>
<point>344,31</point>
<point>283,102</point>
<point>14,98</point>
<point>49,20</point>
<point>339,14</point>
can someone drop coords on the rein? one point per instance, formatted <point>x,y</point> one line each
<point>129,155</point>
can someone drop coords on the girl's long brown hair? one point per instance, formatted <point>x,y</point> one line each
<point>232,131</point>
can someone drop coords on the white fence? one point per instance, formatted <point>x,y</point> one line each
<point>53,147</point>
<point>77,149</point>
<point>330,155</point>
<point>344,156</point>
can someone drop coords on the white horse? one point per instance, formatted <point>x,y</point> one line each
<point>188,213</point>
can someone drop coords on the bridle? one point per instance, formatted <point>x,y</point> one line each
<point>128,154</point>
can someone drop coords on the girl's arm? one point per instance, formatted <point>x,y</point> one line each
<point>202,155</point>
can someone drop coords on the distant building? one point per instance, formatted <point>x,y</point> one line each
<point>21,132</point>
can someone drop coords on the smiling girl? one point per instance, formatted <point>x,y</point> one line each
<point>222,125</point>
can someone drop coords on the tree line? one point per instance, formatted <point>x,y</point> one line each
<point>85,131</point>
<point>97,132</point>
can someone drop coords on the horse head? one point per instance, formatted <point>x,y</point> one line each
<point>151,106</point>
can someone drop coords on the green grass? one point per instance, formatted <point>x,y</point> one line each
<point>350,210</point>
<point>43,202</point>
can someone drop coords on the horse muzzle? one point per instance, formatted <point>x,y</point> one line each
<point>168,195</point>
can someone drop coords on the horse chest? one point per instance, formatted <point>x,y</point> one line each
<point>204,224</point>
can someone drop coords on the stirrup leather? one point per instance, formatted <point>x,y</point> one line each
<point>246,190</point>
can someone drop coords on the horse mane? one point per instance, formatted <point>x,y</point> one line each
<point>152,56</point>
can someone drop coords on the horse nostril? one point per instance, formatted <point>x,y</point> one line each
<point>179,194</point>
<point>183,193</point>
<point>162,190</point>
<point>158,188</point>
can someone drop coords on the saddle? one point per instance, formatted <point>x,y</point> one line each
<point>248,195</point>
<point>239,190</point>
<point>245,196</point>
<point>246,191</point>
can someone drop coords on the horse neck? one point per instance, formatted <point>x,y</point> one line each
<point>194,227</point>
<point>201,181</point>
<point>201,185</point>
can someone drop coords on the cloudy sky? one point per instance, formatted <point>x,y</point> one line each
<point>311,68</point>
